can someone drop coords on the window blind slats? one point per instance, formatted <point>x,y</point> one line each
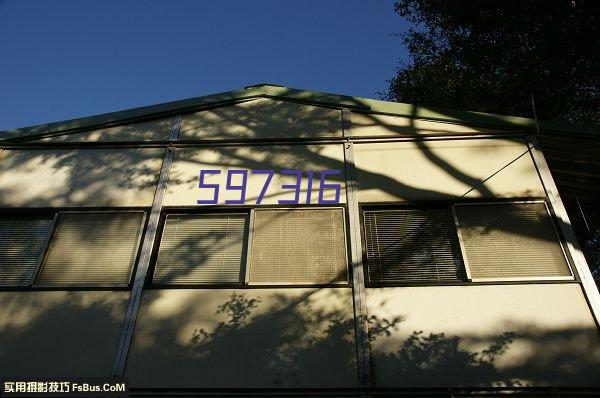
<point>298,246</point>
<point>22,243</point>
<point>513,240</point>
<point>92,249</point>
<point>202,249</point>
<point>411,245</point>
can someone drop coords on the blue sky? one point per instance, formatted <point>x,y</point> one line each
<point>66,59</point>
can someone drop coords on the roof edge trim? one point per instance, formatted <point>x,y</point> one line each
<point>357,104</point>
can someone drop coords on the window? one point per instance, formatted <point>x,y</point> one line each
<point>69,249</point>
<point>22,243</point>
<point>476,242</point>
<point>263,246</point>
<point>298,246</point>
<point>510,241</point>
<point>411,245</point>
<point>92,248</point>
<point>202,249</point>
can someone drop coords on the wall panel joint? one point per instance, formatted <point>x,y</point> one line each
<point>143,263</point>
<point>358,278</point>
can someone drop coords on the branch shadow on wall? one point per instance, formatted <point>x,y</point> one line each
<point>518,355</point>
<point>235,338</point>
<point>50,333</point>
<point>264,339</point>
<point>286,334</point>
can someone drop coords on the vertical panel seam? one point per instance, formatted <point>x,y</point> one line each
<point>175,128</point>
<point>358,281</point>
<point>346,122</point>
<point>144,259</point>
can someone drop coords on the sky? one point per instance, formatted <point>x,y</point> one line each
<point>74,58</point>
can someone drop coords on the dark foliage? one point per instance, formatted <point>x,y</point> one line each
<point>585,216</point>
<point>493,56</point>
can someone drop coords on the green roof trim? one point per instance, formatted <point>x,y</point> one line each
<point>358,104</point>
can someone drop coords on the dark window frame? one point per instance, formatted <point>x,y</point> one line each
<point>40,260</point>
<point>344,282</point>
<point>366,207</point>
<point>54,213</point>
<point>149,284</point>
<point>450,204</point>
<point>156,249</point>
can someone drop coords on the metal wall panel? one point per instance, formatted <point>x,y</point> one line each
<point>510,240</point>
<point>262,119</point>
<point>520,335</point>
<point>202,248</point>
<point>298,246</point>
<point>143,262</point>
<point>92,249</point>
<point>79,177</point>
<point>183,188</point>
<point>448,169</point>
<point>22,243</point>
<point>373,125</point>
<point>65,333</point>
<point>244,338</point>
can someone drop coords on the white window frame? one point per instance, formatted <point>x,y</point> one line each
<point>514,279</point>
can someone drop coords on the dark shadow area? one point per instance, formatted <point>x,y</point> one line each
<point>304,338</point>
<point>516,336</point>
<point>53,333</point>
<point>258,338</point>
<point>439,360</point>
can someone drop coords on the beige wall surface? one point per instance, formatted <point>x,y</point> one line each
<point>245,338</point>
<point>79,177</point>
<point>519,335</point>
<point>154,130</point>
<point>448,169</point>
<point>183,187</point>
<point>262,119</point>
<point>373,125</point>
<point>58,333</point>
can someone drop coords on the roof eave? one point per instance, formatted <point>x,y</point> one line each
<point>282,93</point>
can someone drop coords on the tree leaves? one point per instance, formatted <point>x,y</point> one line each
<point>492,56</point>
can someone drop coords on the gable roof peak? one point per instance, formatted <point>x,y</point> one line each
<point>263,85</point>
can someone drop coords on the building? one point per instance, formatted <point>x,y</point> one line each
<point>279,241</point>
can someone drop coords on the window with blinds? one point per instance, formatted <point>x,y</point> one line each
<point>510,241</point>
<point>202,249</point>
<point>303,246</point>
<point>23,240</point>
<point>411,245</point>
<point>92,249</point>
